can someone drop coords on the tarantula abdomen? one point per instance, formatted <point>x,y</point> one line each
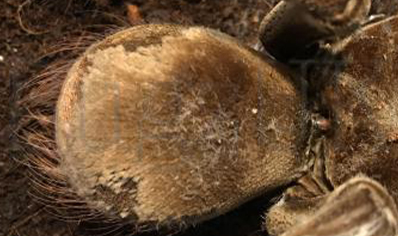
<point>168,125</point>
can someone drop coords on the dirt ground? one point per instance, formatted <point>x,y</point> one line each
<point>31,31</point>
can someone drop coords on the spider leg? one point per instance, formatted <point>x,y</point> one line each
<point>303,199</point>
<point>300,201</point>
<point>375,18</point>
<point>296,204</point>
<point>359,207</point>
<point>294,25</point>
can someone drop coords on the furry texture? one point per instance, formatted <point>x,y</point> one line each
<point>166,125</point>
<point>364,101</point>
<point>295,206</point>
<point>361,101</point>
<point>308,22</point>
<point>360,207</point>
<point>36,134</point>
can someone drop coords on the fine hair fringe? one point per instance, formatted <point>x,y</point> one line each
<point>35,134</point>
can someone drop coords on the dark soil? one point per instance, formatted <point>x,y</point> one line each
<point>33,34</point>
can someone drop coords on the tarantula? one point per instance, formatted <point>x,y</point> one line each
<point>166,126</point>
